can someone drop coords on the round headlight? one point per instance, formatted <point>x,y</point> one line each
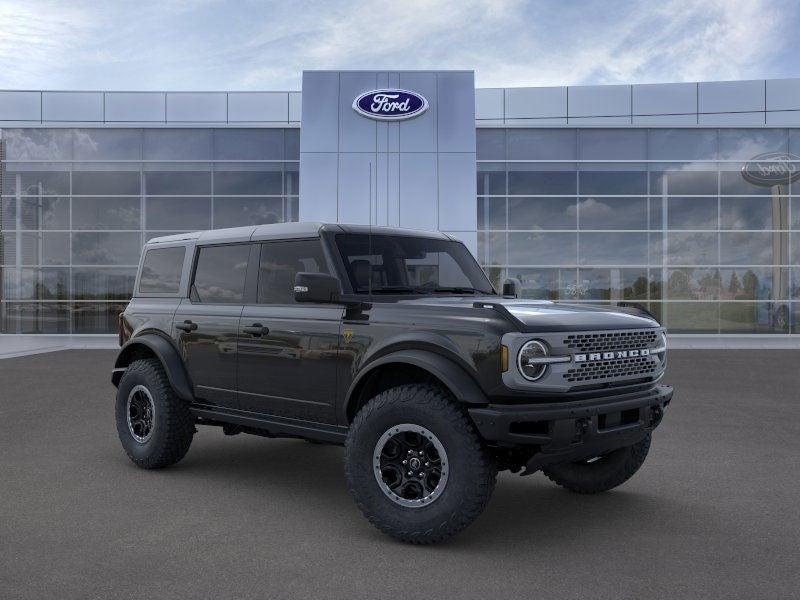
<point>532,350</point>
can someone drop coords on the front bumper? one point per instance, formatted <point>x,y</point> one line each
<point>568,431</point>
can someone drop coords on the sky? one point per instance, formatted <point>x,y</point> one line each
<point>262,45</point>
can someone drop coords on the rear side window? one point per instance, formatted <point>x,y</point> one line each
<point>161,271</point>
<point>220,274</point>
<point>280,262</point>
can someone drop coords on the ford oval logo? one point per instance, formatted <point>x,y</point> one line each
<point>390,105</point>
<point>772,168</point>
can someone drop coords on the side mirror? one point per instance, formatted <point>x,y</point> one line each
<point>317,287</point>
<point>511,287</point>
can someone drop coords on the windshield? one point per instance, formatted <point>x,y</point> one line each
<point>394,264</point>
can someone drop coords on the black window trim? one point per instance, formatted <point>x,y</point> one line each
<point>195,260</point>
<point>260,243</point>
<point>138,293</point>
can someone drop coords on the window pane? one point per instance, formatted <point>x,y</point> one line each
<point>38,144</point>
<point>683,183</point>
<point>541,144</point>
<point>491,248</point>
<point>100,248</point>
<point>546,284</point>
<point>36,317</point>
<point>180,183</point>
<point>237,212</point>
<point>755,283</point>
<point>186,214</point>
<point>491,213</point>
<point>116,183</point>
<point>36,284</point>
<point>102,283</point>
<point>291,178</point>
<point>280,262</point>
<point>692,213</point>
<point>750,248</point>
<point>108,144</point>
<point>219,277</point>
<point>691,317</point>
<point>523,182</point>
<point>745,144</point>
<point>692,248</point>
<point>96,317</point>
<point>612,284</point>
<point>45,248</point>
<point>682,144</point>
<point>613,182</point>
<point>161,270</point>
<point>542,248</point>
<point>249,144</point>
<point>105,213</point>
<point>754,213</point>
<point>612,144</point>
<point>693,284</point>
<point>612,213</point>
<point>291,144</point>
<point>251,183</point>
<point>613,248</point>
<point>542,213</point>
<point>491,144</point>
<point>44,212</point>
<point>750,317</point>
<point>178,144</point>
<point>491,179</point>
<point>732,182</point>
<point>35,182</point>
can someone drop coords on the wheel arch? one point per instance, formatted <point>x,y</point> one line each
<point>410,366</point>
<point>151,345</point>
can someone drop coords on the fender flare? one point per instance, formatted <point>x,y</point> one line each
<point>453,376</point>
<point>166,353</point>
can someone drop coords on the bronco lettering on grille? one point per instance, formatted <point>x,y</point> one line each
<point>592,356</point>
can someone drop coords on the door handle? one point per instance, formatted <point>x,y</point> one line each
<point>187,326</point>
<point>256,329</point>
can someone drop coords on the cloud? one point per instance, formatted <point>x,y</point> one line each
<point>213,44</point>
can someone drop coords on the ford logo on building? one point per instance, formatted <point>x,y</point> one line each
<point>390,105</point>
<point>772,168</point>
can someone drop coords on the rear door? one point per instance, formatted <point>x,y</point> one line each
<point>207,322</point>
<point>288,351</point>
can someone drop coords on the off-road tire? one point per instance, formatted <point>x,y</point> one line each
<point>605,473</point>
<point>173,424</point>
<point>472,471</point>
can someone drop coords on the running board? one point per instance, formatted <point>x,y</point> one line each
<point>272,424</point>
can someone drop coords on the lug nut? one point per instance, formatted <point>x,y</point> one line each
<point>405,461</point>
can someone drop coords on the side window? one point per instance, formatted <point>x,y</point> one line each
<point>220,274</point>
<point>280,262</point>
<point>161,270</point>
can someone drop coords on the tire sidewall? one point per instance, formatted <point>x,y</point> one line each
<point>138,450</point>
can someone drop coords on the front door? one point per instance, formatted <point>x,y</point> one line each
<point>207,323</point>
<point>287,351</point>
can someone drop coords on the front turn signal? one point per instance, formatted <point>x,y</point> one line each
<point>504,358</point>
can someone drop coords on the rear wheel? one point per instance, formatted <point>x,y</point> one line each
<point>153,424</point>
<point>600,473</point>
<point>415,466</point>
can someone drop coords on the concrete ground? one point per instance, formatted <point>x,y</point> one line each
<point>712,514</point>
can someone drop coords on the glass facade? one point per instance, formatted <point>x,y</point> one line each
<point>663,217</point>
<point>78,204</point>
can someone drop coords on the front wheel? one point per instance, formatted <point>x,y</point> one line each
<point>415,466</point>
<point>153,424</point>
<point>600,473</point>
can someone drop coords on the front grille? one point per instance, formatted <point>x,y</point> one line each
<point>613,340</point>
<point>616,368</point>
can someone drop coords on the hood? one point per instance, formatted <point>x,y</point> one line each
<point>542,315</point>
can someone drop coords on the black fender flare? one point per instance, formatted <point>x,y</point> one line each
<point>452,375</point>
<point>166,352</point>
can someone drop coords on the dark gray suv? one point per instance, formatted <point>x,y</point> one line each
<point>393,343</point>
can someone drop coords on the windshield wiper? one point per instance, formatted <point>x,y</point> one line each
<point>457,290</point>
<point>396,289</point>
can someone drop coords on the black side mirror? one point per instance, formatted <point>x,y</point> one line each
<point>511,287</point>
<point>317,287</point>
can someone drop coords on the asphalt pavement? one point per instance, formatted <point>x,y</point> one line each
<point>713,513</point>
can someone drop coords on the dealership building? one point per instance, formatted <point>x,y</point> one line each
<point>677,196</point>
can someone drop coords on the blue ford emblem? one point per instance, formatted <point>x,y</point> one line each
<point>390,105</point>
<point>772,168</point>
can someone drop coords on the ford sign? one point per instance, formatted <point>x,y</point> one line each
<point>390,105</point>
<point>772,168</point>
